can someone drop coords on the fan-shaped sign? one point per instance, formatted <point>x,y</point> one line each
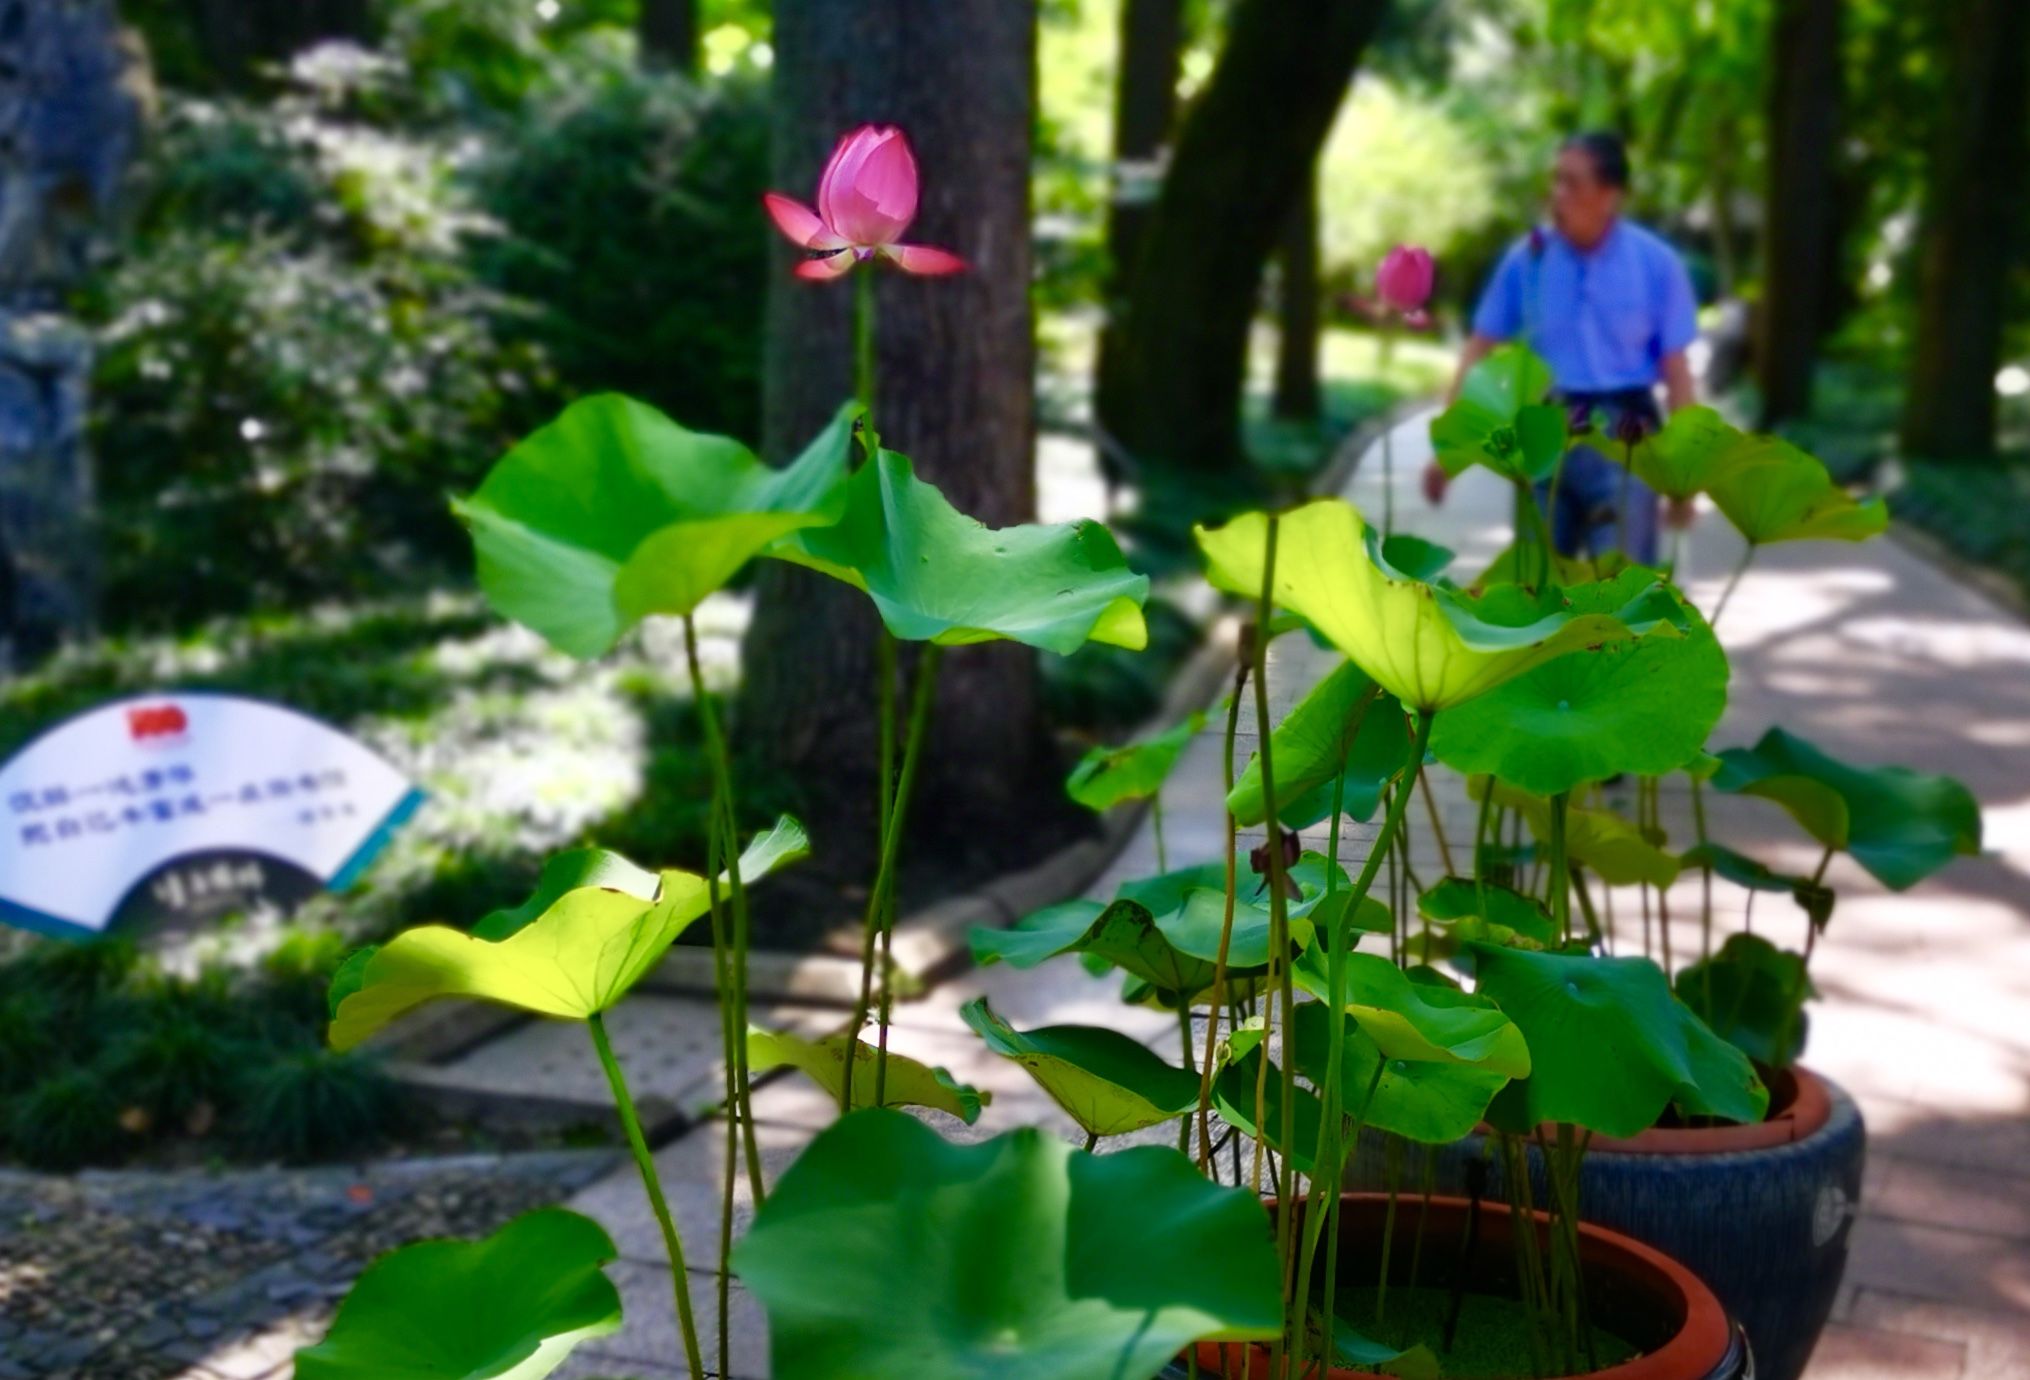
<point>175,809</point>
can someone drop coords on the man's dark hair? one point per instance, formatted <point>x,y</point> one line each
<point>1609,155</point>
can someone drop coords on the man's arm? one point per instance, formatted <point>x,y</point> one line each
<point>1478,347</point>
<point>1679,390</point>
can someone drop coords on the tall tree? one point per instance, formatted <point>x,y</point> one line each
<point>1297,394</point>
<point>1973,208</point>
<point>1171,394</point>
<point>956,393</point>
<point>239,37</point>
<point>1145,113</point>
<point>1798,216</point>
<point>667,31</point>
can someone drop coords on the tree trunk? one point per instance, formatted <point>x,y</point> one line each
<point>240,37</point>
<point>1804,130</point>
<point>955,392</point>
<point>1297,389</point>
<point>1145,111</point>
<point>1171,395</point>
<point>667,31</point>
<point>1973,210</point>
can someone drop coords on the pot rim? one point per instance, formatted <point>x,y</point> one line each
<point>1699,1346</point>
<point>1804,1115</point>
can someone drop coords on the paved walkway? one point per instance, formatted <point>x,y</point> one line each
<point>1865,649</point>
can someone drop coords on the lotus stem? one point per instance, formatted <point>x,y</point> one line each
<point>1740,569</point>
<point>863,352</point>
<point>1437,826</point>
<point>1226,930</point>
<point>1156,823</point>
<point>1191,1063</point>
<point>877,928</point>
<point>1627,479</point>
<point>1705,885</point>
<point>1560,882</point>
<point>651,1181</point>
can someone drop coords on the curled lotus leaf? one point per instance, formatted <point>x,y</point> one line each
<point>613,512</point>
<point>887,1251</point>
<point>1420,1022</point>
<point>1752,994</point>
<point>576,959</point>
<point>1501,420</point>
<point>1344,726</point>
<point>1612,847</point>
<point>1106,1082</point>
<point>936,575</point>
<point>508,1307</point>
<point>1783,494</point>
<point>1431,648</point>
<point>908,1083</point>
<point>1106,776</point>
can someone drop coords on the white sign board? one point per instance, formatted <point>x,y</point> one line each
<point>183,806</point>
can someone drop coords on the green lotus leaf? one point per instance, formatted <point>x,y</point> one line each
<point>936,575</point>
<point>1782,494</point>
<point>1344,726</point>
<point>1610,1047</point>
<point>1741,869</point>
<point>1106,1082</point>
<point>1629,705</point>
<point>1611,846</point>
<point>508,1307</point>
<point>908,1082</point>
<point>1409,557</point>
<point>1899,824</point>
<point>1694,450</point>
<point>1039,935</point>
<point>1500,419</point>
<point>614,512</point>
<point>1752,994</point>
<point>886,1251</point>
<point>569,871</point>
<point>1504,915</point>
<point>576,959</point>
<point>1419,1021</point>
<point>1107,776</point>
<point>1432,1103</point>
<point>1430,648</point>
<point>1519,562</point>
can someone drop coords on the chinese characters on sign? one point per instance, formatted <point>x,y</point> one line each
<point>186,806</point>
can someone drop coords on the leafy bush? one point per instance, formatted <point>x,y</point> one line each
<point>631,214</point>
<point>67,1118</point>
<point>316,1102</point>
<point>296,364</point>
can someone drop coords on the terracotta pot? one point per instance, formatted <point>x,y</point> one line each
<point>1761,1213</point>
<point>1637,1292</point>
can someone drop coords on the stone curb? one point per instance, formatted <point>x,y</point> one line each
<point>1992,585</point>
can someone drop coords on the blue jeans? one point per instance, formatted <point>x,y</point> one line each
<point>1590,488</point>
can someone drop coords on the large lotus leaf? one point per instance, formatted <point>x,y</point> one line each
<point>508,1307</point>
<point>908,1083</point>
<point>1741,869</point>
<point>1519,563</point>
<point>1610,1047</point>
<point>570,870</point>
<point>1611,846</point>
<point>936,575</point>
<point>1419,1021</point>
<point>1500,419</point>
<point>1900,824</point>
<point>1408,556</point>
<point>1106,776</point>
<point>1752,994</point>
<point>614,512</point>
<point>886,1251</point>
<point>1630,705</point>
<point>1344,726</point>
<point>1782,494</point>
<point>1430,648</point>
<point>1695,450</point>
<point>1489,911</point>
<point>1107,1083</point>
<point>1434,1103</point>
<point>576,959</point>
<point>1041,934</point>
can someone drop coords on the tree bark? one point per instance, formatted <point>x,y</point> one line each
<point>955,392</point>
<point>1975,203</point>
<point>1297,396</point>
<point>1171,395</point>
<point>667,33</point>
<point>1804,130</point>
<point>1145,112</point>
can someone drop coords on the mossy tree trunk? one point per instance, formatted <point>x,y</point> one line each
<point>1973,217</point>
<point>667,33</point>
<point>1298,397</point>
<point>956,394</point>
<point>1171,394</point>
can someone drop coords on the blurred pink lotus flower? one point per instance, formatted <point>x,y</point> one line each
<point>1403,282</point>
<point>866,199</point>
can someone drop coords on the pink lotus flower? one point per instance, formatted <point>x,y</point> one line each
<point>1403,282</point>
<point>866,199</point>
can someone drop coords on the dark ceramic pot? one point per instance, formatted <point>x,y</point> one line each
<point>1761,1213</point>
<point>1636,1291</point>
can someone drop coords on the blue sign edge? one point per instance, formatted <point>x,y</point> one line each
<point>56,927</point>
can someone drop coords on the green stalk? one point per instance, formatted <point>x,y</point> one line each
<point>1191,1063</point>
<point>1740,569</point>
<point>729,1182</point>
<point>1156,822</point>
<point>650,1180</point>
<point>735,993</point>
<point>1561,886</point>
<point>880,906</point>
<point>1627,478</point>
<point>863,347</point>
<point>1226,930</point>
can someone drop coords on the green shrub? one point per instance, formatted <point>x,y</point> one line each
<point>66,1119</point>
<point>315,1103</point>
<point>28,1019</point>
<point>171,1064</point>
<point>631,206</point>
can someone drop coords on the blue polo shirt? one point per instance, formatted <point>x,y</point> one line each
<point>1603,318</point>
